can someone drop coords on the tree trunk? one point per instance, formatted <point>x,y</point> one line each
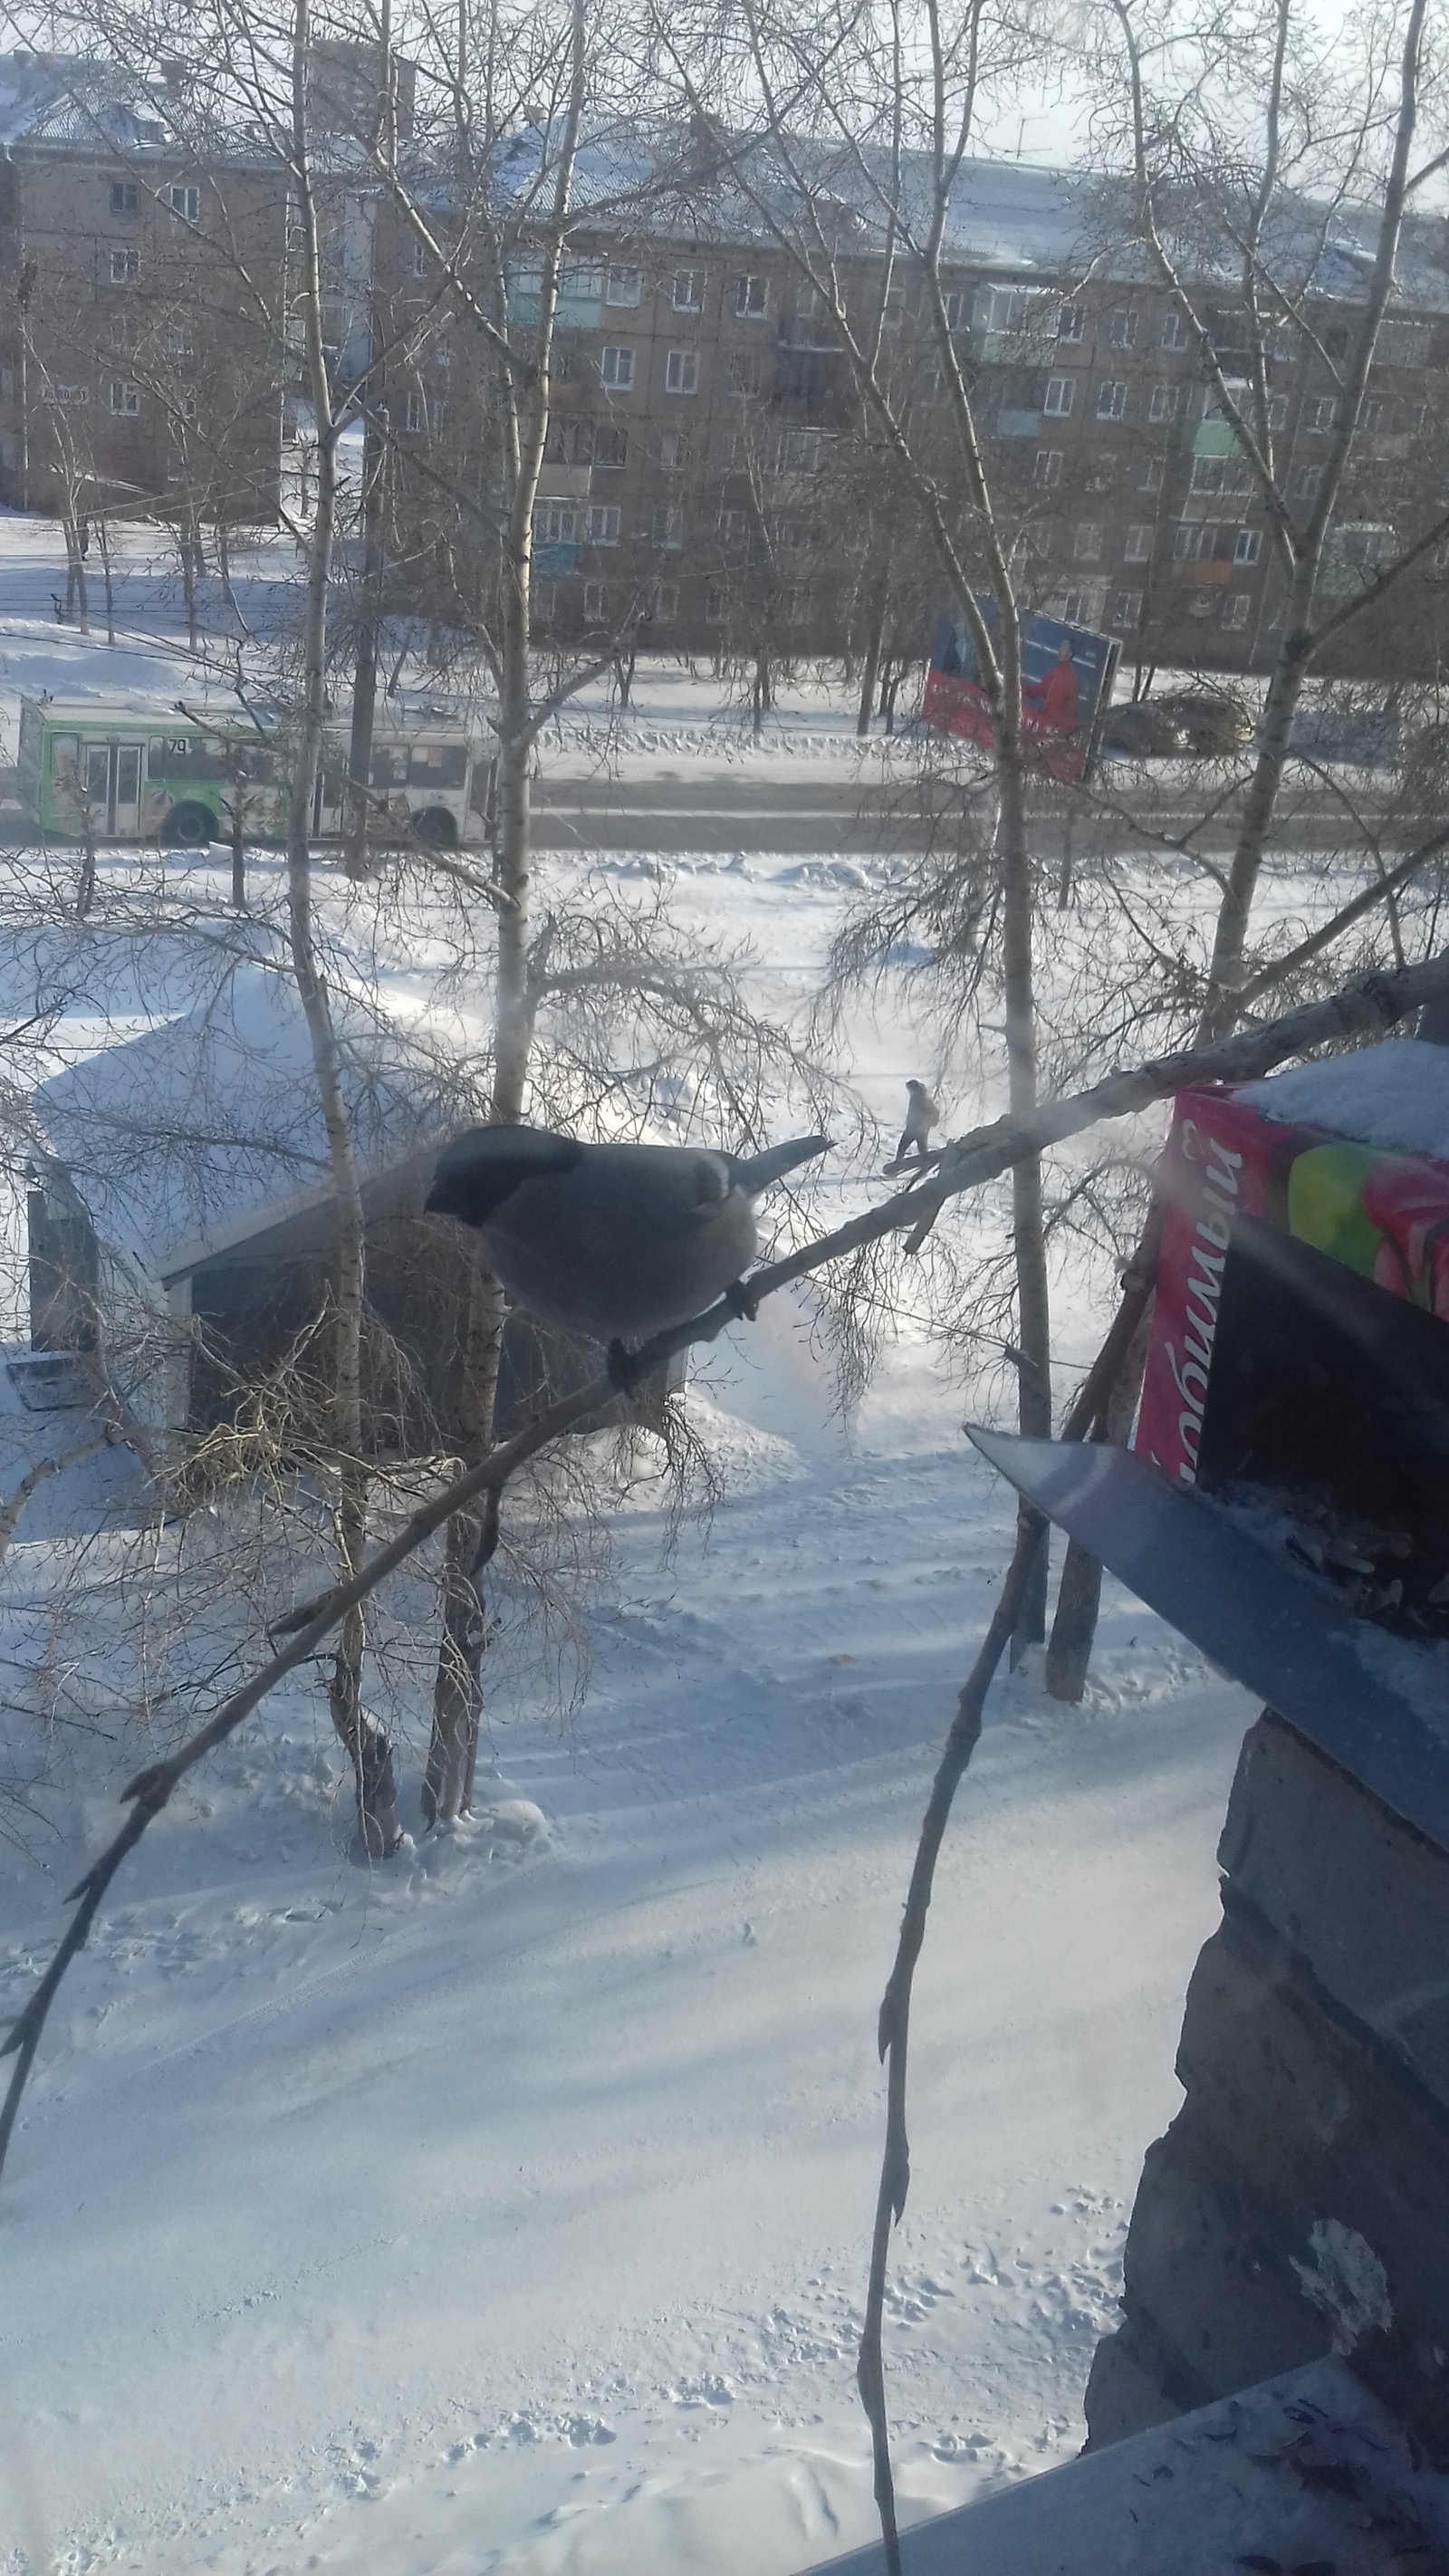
<point>1034,1398</point>
<point>870,664</point>
<point>188,582</point>
<point>364,683</point>
<point>458,1690</point>
<point>365,1741</point>
<point>1226,972</point>
<point>77,594</point>
<point>110,590</point>
<point>471,1540</point>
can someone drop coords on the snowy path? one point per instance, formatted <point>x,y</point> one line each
<point>486,2216</point>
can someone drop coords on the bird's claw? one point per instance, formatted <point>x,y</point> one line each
<point>623,1368</point>
<point>742,1301</point>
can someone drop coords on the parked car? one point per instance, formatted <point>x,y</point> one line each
<point>1211,727</point>
<point>1139,729</point>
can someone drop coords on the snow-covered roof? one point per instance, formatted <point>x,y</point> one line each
<point>1394,1095</point>
<point>183,1141</point>
<point>71,98</point>
<point>64,101</point>
<point>1011,217</point>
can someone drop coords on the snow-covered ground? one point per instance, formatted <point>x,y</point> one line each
<point>507,2207</point>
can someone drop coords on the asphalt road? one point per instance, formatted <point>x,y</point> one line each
<point>822,813</point>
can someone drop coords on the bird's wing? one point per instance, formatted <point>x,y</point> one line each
<point>754,1173</point>
<point>482,1167</point>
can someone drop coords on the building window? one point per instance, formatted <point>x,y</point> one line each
<point>1249,546</point>
<point>1112,399</point>
<point>1048,465</point>
<point>186,202</point>
<point>616,367</point>
<point>1277,411</point>
<point>734,528</point>
<point>798,452</point>
<point>1306,482</point>
<point>611,448</point>
<point>125,197</point>
<point>1402,344</point>
<point>1163,403</point>
<point>1173,334</point>
<point>1193,541</point>
<point>1323,414</point>
<point>752,298</point>
<point>673,450</point>
<point>418,262</point>
<point>1121,327</point>
<point>125,267</point>
<point>681,372</point>
<point>594,602</point>
<point>1371,417</point>
<point>1139,544</point>
<point>1127,608</point>
<point>1059,393</point>
<point>1238,609</point>
<point>415,416</point>
<point>1087,543</point>
<point>176,339</point>
<point>744,374</point>
<point>895,308</point>
<point>955,307</point>
<point>664,602</point>
<point>688,290</point>
<point>437,414</point>
<point>556,523</point>
<point>123,398</point>
<point>714,604</point>
<point>626,286</point>
<point>542,601</point>
<point>797,607</point>
<point>603,523</point>
<point>1073,324</point>
<point>666,528</point>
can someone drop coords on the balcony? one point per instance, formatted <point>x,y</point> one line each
<point>801,332</point>
<point>1034,345</point>
<point>565,482</point>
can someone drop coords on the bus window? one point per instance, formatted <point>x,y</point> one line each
<point>438,764</point>
<point>390,768</point>
<point>64,756</point>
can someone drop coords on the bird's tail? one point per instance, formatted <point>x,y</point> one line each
<point>755,1173</point>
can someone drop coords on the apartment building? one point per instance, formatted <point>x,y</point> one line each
<point>711,474</point>
<point>711,480</point>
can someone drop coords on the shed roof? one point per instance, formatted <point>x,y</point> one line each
<point>183,1141</point>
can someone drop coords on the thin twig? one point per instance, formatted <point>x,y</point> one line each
<point>1139,1280</point>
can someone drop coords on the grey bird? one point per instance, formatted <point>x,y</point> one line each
<point>921,1116</point>
<point>614,1241</point>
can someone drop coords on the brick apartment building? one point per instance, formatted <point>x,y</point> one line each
<point>141,301</point>
<point>709,474</point>
<point>709,470</point>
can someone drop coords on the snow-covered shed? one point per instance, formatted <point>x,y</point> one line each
<point>181,1204</point>
<point>181,1211</point>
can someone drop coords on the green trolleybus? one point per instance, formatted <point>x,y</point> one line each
<point>133,769</point>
